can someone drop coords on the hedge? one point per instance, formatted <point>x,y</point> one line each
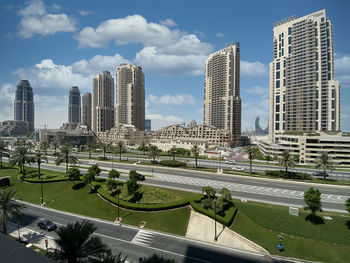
<point>51,180</point>
<point>143,207</point>
<point>289,175</point>
<point>172,163</point>
<point>226,220</point>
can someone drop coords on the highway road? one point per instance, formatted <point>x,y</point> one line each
<point>288,193</point>
<point>135,243</point>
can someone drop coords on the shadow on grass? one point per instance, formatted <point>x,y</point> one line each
<point>137,196</point>
<point>78,186</point>
<point>314,219</point>
<point>348,224</point>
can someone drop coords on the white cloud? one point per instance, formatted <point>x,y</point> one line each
<point>257,90</point>
<point>177,100</point>
<point>342,69</point>
<point>253,69</point>
<point>168,22</point>
<point>160,121</point>
<point>6,101</point>
<point>36,20</point>
<point>84,12</point>
<point>219,34</point>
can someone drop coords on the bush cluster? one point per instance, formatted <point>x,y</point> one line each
<point>51,180</point>
<point>172,163</point>
<point>101,158</point>
<point>289,175</point>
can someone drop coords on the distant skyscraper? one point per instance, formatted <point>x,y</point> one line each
<point>130,106</point>
<point>192,124</point>
<point>86,106</point>
<point>222,101</point>
<point>74,106</point>
<point>304,97</point>
<point>24,104</point>
<point>148,125</point>
<point>103,102</point>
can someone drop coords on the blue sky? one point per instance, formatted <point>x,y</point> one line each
<point>57,44</point>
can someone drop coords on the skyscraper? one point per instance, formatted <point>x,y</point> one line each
<point>304,97</point>
<point>222,101</point>
<point>74,106</point>
<point>103,102</point>
<point>130,105</point>
<point>24,104</point>
<point>86,106</point>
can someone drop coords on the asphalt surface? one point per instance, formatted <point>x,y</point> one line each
<point>136,243</point>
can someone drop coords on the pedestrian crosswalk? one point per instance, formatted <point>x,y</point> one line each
<point>252,189</point>
<point>143,238</point>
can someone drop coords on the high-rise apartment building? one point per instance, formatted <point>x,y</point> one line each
<point>222,101</point>
<point>86,109</point>
<point>24,104</point>
<point>103,102</point>
<point>304,97</point>
<point>74,106</point>
<point>130,105</point>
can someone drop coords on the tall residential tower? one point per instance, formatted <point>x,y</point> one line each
<point>74,106</point>
<point>24,104</point>
<point>130,105</point>
<point>103,102</point>
<point>86,109</point>
<point>304,97</point>
<point>222,101</point>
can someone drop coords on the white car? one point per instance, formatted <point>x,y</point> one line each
<point>92,163</point>
<point>238,168</point>
<point>230,162</point>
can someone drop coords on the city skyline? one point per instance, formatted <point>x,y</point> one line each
<point>171,46</point>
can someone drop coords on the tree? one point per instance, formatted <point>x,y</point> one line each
<point>55,145</point>
<point>65,157</point>
<point>286,160</point>
<point>324,163</point>
<point>153,152</point>
<point>90,146</point>
<point>43,146</point>
<point>120,149</point>
<point>268,158</point>
<point>347,204</point>
<point>195,152</point>
<point>108,257</point>
<point>209,196</point>
<point>112,174</point>
<point>89,177</point>
<point>73,174</point>
<point>312,198</point>
<point>157,259</point>
<point>296,158</point>
<point>225,199</point>
<point>95,170</point>
<point>250,152</point>
<point>173,152</point>
<point>30,145</point>
<point>20,157</point>
<point>3,152</point>
<point>131,184</point>
<point>38,158</point>
<point>9,208</point>
<point>143,147</point>
<point>76,243</point>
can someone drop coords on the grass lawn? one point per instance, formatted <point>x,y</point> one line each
<point>261,223</point>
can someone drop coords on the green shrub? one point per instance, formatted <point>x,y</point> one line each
<point>172,163</point>
<point>49,180</point>
<point>288,175</point>
<point>101,158</point>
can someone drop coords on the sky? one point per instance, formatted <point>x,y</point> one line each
<point>60,43</point>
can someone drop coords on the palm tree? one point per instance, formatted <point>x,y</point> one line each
<point>55,145</point>
<point>324,163</point>
<point>38,159</point>
<point>76,243</point>
<point>8,207</point>
<point>21,157</point>
<point>3,152</point>
<point>30,145</point>
<point>90,146</point>
<point>173,151</point>
<point>120,149</point>
<point>143,147</point>
<point>153,152</point>
<point>286,160</point>
<point>195,153</point>
<point>43,146</point>
<point>65,157</point>
<point>250,152</point>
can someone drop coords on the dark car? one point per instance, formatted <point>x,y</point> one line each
<point>140,177</point>
<point>320,174</point>
<point>47,225</point>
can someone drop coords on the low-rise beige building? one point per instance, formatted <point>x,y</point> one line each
<point>122,132</point>
<point>310,146</point>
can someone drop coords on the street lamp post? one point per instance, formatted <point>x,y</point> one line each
<point>215,237</point>
<point>42,192</point>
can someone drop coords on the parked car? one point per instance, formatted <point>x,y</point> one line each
<point>155,161</point>
<point>230,162</point>
<point>47,225</point>
<point>92,162</point>
<point>141,177</point>
<point>238,168</point>
<point>320,174</point>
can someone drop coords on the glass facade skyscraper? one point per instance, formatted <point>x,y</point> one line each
<point>24,104</point>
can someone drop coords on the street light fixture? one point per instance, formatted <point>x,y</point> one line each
<point>215,236</point>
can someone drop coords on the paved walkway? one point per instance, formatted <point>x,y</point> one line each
<point>201,227</point>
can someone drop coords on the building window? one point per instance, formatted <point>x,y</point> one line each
<point>278,99</point>
<point>289,30</point>
<point>289,40</point>
<point>277,126</point>
<point>277,75</point>
<point>277,66</point>
<point>290,49</point>
<point>277,108</point>
<point>277,84</point>
<point>277,117</point>
<point>333,93</point>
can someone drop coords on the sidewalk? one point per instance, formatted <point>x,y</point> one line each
<point>201,227</point>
